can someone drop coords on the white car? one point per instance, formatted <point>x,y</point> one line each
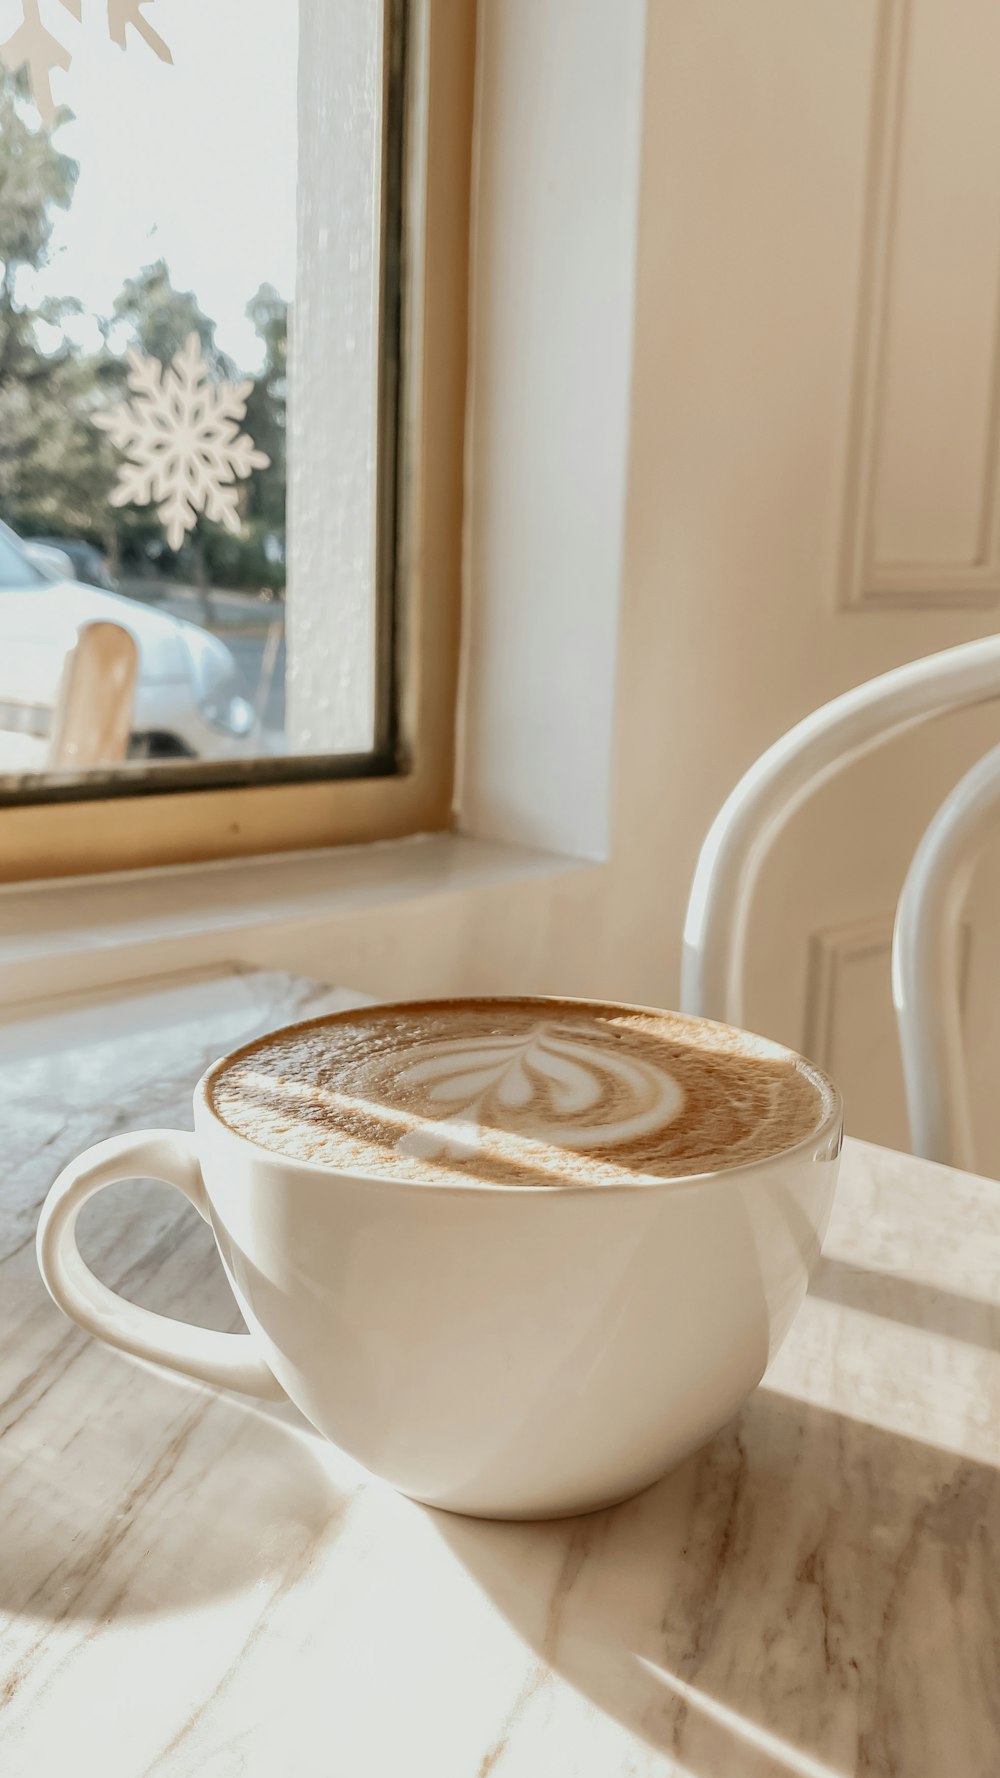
<point>191,701</point>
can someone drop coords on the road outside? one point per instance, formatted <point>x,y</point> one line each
<point>250,652</point>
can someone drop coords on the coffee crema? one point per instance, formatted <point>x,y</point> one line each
<point>519,1092</point>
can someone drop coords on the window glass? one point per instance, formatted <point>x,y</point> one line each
<point>191,323</point>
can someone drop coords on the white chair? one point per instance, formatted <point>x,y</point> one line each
<point>925,974</point>
<point>764,799</point>
<point>92,720</point>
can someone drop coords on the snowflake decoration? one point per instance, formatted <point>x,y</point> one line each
<point>38,50</point>
<point>180,435</point>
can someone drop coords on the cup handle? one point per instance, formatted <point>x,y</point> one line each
<point>227,1360</point>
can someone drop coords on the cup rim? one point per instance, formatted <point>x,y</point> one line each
<point>830,1123</point>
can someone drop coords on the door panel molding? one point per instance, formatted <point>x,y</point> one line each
<point>833,951</point>
<point>923,457</point>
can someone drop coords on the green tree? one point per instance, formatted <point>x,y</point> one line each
<point>63,482</point>
<point>158,319</point>
<point>267,406</point>
<point>36,180</point>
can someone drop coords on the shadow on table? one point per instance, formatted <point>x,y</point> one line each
<point>908,1300</point>
<point>806,1591</point>
<point>166,1497</point>
<point>127,1491</point>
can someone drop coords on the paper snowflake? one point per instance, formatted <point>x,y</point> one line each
<point>181,440</point>
<point>38,50</point>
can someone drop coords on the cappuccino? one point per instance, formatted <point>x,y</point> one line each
<point>519,1092</point>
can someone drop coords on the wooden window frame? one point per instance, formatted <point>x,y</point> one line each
<point>413,793</point>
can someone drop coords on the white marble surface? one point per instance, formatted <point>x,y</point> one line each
<point>193,1584</point>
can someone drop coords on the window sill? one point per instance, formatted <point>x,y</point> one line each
<point>75,934</point>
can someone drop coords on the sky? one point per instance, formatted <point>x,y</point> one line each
<point>193,163</point>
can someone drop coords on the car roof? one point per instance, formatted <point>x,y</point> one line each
<point>9,540</point>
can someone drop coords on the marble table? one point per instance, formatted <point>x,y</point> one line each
<point>194,1585</point>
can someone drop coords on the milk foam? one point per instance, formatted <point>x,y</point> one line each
<point>543,1084</point>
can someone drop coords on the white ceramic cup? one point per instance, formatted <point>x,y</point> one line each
<point>507,1351</point>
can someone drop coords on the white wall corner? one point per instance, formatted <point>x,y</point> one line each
<point>555,208</point>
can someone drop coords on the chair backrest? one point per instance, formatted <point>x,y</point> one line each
<point>781,779</point>
<point>925,967</point>
<point>93,714</point>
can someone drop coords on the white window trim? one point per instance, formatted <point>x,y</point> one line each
<point>324,913</point>
<point>333,381</point>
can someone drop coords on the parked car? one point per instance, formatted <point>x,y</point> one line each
<point>86,562</point>
<point>191,699</point>
<point>53,562</point>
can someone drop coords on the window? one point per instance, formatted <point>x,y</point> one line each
<point>230,267</point>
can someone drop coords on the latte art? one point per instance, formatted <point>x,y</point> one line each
<point>544,1085</point>
<point>518,1092</point>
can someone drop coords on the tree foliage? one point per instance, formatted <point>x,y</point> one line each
<point>38,389</point>
<point>159,319</point>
